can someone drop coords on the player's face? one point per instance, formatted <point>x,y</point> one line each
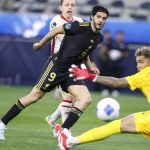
<point>68,8</point>
<point>142,62</point>
<point>99,20</point>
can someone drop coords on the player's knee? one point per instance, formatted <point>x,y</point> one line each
<point>35,98</point>
<point>67,96</point>
<point>127,127</point>
<point>35,95</point>
<point>87,100</point>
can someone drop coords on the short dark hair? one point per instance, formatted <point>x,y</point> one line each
<point>96,9</point>
<point>61,2</point>
<point>143,51</point>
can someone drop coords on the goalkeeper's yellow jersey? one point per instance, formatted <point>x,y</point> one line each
<point>141,80</point>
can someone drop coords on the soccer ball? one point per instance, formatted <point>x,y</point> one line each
<point>107,109</point>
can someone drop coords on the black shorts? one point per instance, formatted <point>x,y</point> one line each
<point>53,76</point>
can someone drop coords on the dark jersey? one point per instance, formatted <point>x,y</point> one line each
<point>78,43</point>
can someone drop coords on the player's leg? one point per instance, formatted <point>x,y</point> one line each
<point>100,133</point>
<point>51,119</point>
<point>57,94</point>
<point>125,125</point>
<point>15,110</point>
<point>66,105</point>
<point>44,84</point>
<point>83,97</point>
<point>137,123</point>
<point>95,134</point>
<point>62,110</point>
<point>128,124</point>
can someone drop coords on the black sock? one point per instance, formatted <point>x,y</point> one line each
<point>72,118</point>
<point>12,113</point>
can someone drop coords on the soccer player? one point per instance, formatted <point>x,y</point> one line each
<point>79,41</point>
<point>67,8</point>
<point>138,123</point>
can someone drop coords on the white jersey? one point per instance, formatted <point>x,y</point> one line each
<point>55,22</point>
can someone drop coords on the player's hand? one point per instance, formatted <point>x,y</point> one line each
<point>36,46</point>
<point>80,74</point>
<point>94,68</point>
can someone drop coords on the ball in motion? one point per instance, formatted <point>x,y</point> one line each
<point>107,109</point>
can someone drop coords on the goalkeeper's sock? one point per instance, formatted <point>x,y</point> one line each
<point>100,133</point>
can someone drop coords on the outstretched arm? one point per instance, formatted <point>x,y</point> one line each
<point>112,82</point>
<point>80,74</point>
<point>48,37</point>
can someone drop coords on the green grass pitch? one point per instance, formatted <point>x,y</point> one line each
<point>29,131</point>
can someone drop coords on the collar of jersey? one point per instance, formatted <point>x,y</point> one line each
<point>65,18</point>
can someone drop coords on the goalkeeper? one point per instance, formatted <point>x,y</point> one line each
<point>138,123</point>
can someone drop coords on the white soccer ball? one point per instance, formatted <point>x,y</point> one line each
<point>107,109</point>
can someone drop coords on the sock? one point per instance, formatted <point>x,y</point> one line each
<point>13,112</point>
<point>65,108</point>
<point>72,118</point>
<point>100,133</point>
<point>55,115</point>
<point>2,125</point>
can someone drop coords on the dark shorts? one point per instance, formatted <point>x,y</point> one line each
<point>53,76</point>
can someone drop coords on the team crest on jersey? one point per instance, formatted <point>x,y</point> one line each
<point>53,24</point>
<point>68,26</point>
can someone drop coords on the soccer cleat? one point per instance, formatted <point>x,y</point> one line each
<point>64,140</point>
<point>51,124</point>
<point>57,129</point>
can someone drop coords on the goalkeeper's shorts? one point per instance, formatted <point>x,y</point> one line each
<point>142,122</point>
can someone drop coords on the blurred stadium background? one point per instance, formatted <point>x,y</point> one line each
<point>23,22</point>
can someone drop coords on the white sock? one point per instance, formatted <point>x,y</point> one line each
<point>2,125</point>
<point>65,108</point>
<point>55,115</point>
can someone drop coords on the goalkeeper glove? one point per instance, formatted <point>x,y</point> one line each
<point>80,74</point>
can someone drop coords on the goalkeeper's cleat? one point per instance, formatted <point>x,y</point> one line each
<point>2,130</point>
<point>51,123</point>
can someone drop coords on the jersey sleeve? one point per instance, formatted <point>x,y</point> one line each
<point>136,81</point>
<point>78,19</point>
<point>71,28</point>
<point>55,22</point>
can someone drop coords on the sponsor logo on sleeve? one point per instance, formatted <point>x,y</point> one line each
<point>53,24</point>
